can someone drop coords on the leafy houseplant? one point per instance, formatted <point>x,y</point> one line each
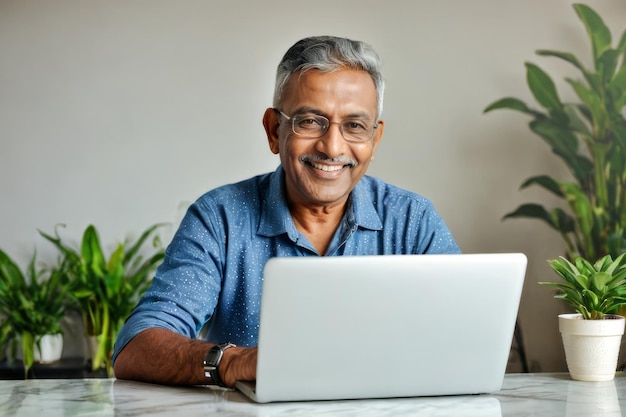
<point>107,289</point>
<point>32,304</point>
<point>592,290</point>
<point>591,338</point>
<point>590,137</point>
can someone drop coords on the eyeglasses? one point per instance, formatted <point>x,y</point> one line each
<point>313,126</point>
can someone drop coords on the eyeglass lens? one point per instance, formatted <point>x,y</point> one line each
<point>315,126</point>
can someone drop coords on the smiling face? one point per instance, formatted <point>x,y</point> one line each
<point>323,171</point>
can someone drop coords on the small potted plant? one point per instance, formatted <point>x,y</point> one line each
<point>32,305</point>
<point>591,336</point>
<point>106,290</point>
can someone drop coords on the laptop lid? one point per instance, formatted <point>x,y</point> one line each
<point>385,326</point>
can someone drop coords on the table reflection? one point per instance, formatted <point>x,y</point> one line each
<point>521,395</point>
<point>592,399</point>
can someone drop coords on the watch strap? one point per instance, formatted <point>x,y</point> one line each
<point>212,362</point>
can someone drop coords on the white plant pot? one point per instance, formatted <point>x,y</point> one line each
<point>591,346</point>
<point>50,348</point>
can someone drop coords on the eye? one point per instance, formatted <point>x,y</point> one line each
<point>309,122</point>
<point>355,126</point>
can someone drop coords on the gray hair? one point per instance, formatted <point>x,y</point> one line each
<point>327,54</point>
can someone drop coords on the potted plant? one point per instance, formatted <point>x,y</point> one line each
<point>32,304</point>
<point>590,137</point>
<point>596,292</point>
<point>107,290</point>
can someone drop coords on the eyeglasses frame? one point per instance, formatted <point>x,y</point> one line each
<point>292,119</point>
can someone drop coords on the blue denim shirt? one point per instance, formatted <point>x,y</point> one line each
<point>213,267</point>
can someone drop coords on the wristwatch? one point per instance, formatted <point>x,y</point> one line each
<point>212,362</point>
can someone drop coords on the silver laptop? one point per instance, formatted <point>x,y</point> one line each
<point>351,327</point>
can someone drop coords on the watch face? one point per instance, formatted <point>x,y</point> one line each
<point>213,358</point>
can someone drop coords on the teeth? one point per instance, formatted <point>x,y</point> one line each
<point>327,168</point>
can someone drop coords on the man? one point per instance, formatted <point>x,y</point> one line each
<point>325,127</point>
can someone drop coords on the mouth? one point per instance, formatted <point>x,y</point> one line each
<point>328,165</point>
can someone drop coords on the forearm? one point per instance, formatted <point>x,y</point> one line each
<point>161,356</point>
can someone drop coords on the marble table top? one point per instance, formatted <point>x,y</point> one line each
<point>521,395</point>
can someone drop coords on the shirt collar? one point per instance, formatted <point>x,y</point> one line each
<point>275,215</point>
<point>363,209</point>
<point>276,218</point>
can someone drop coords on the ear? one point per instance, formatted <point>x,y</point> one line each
<point>378,135</point>
<point>270,123</point>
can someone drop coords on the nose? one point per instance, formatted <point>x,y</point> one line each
<point>332,143</point>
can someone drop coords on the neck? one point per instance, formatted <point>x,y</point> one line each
<point>318,223</point>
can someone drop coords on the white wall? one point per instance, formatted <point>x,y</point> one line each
<point>120,113</point>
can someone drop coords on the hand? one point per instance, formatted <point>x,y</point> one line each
<point>238,364</point>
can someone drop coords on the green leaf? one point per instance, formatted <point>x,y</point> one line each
<point>592,297</point>
<point>71,255</point>
<point>583,208</point>
<point>621,46</point>
<point>599,280</point>
<point>618,263</point>
<point>132,251</point>
<point>607,64</point>
<point>617,88</point>
<point>576,123</point>
<point>598,33</point>
<point>565,144</point>
<point>92,252</point>
<point>582,281</point>
<point>546,182</point>
<point>512,103</point>
<point>557,218</point>
<point>10,273</point>
<point>603,264</point>
<point>141,274</point>
<point>113,281</point>
<point>562,55</point>
<point>83,293</point>
<point>28,347</point>
<point>583,266</point>
<point>595,104</point>
<point>530,210</point>
<point>543,88</point>
<point>116,261</point>
<point>564,268</point>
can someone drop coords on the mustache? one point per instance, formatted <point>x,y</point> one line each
<point>340,159</point>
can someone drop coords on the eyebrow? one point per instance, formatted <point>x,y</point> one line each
<point>313,110</point>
